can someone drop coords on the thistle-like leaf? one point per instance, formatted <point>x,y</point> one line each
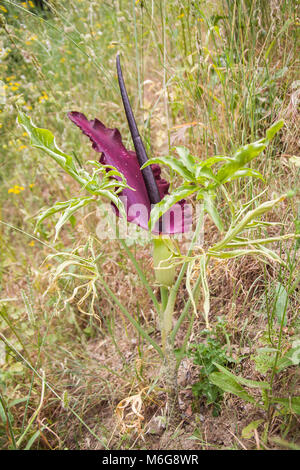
<point>112,180</point>
<point>211,209</point>
<point>186,158</point>
<point>173,163</point>
<point>237,228</point>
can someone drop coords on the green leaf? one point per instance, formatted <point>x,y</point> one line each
<point>187,159</point>
<point>44,140</point>
<point>168,201</point>
<point>212,160</point>
<point>34,438</point>
<point>3,414</point>
<point>205,288</point>
<point>290,404</point>
<point>272,256</point>
<point>291,358</point>
<point>174,164</point>
<point>281,300</point>
<point>188,284</point>
<point>70,210</point>
<point>230,385</point>
<point>205,173</point>
<point>247,431</point>
<point>245,172</point>
<point>237,228</point>
<point>115,200</point>
<point>274,129</point>
<point>59,207</point>
<point>211,209</point>
<point>264,360</point>
<point>243,156</point>
<point>246,382</point>
<point>248,152</point>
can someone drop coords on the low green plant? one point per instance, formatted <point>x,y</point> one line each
<point>264,360</point>
<point>278,354</point>
<point>206,355</point>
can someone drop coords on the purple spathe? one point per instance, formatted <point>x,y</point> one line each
<point>108,142</point>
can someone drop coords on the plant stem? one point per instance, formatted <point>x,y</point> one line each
<point>171,363</point>
<point>170,372</point>
<point>8,421</point>
<point>166,321</point>
<point>184,312</point>
<point>164,294</point>
<point>141,274</point>
<point>131,319</point>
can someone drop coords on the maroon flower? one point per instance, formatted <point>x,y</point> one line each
<point>147,185</point>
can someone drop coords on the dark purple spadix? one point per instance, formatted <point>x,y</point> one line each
<point>141,154</point>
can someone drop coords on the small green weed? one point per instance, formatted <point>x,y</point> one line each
<point>206,355</point>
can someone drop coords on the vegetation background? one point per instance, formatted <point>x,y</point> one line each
<point>209,75</point>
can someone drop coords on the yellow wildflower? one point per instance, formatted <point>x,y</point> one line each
<point>32,38</point>
<point>3,9</point>
<point>13,190</point>
<point>16,189</point>
<point>31,243</point>
<point>44,97</point>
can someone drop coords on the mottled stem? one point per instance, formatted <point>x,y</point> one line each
<point>170,372</point>
<point>170,363</point>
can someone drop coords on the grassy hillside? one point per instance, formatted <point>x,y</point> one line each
<point>210,76</point>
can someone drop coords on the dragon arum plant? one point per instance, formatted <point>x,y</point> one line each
<point>138,194</point>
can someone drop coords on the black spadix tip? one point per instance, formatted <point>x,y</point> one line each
<point>142,157</point>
